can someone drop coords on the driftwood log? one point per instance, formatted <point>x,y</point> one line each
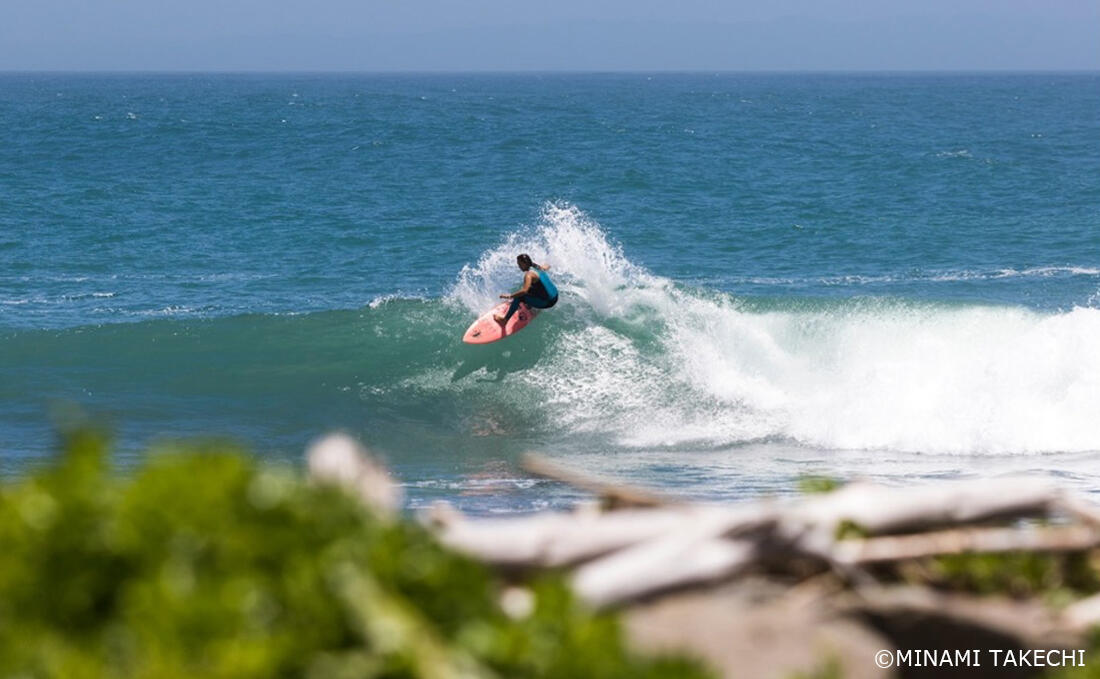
<point>825,565</point>
<point>656,545</point>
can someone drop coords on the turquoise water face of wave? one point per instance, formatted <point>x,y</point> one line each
<point>893,276</point>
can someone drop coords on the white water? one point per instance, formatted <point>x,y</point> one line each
<point>656,365</point>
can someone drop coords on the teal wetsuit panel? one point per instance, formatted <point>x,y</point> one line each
<point>551,289</point>
<point>536,301</point>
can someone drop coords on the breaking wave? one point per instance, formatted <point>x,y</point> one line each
<point>627,360</point>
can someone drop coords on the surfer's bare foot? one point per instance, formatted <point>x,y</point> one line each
<point>498,318</point>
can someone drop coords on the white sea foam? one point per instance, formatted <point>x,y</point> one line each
<point>936,276</point>
<point>382,300</point>
<point>1094,300</point>
<point>170,310</point>
<point>654,364</point>
<point>585,265</point>
<point>1031,272</point>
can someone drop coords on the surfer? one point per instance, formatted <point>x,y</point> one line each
<point>538,290</point>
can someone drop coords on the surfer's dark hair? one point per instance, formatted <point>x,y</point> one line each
<point>525,259</point>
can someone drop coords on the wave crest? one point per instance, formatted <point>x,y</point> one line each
<point>655,364</point>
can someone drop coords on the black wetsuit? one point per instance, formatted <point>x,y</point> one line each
<point>536,297</point>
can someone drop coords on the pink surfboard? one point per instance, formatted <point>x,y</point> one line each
<point>486,330</point>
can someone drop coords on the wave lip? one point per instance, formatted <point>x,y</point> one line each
<point>581,257</point>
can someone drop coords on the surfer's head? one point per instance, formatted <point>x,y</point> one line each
<point>524,261</point>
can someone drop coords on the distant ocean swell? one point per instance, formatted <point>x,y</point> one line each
<point>628,360</point>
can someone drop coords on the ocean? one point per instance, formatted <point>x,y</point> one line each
<point>763,276</point>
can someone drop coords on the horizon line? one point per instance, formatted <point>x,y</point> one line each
<point>631,71</point>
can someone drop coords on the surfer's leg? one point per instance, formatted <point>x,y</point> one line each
<point>511,309</point>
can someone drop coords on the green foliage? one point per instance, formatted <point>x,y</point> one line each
<point>850,530</point>
<point>205,564</point>
<point>811,485</point>
<point>1017,573</point>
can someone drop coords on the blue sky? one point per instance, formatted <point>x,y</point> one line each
<point>506,35</point>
